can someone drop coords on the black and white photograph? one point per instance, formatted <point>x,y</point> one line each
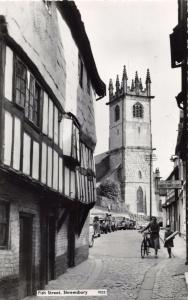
<point>94,150</point>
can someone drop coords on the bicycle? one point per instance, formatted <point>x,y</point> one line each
<point>145,245</point>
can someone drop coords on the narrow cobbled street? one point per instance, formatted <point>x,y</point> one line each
<point>115,264</point>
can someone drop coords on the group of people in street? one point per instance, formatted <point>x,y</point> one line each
<point>154,227</point>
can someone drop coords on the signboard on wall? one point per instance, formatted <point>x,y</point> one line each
<point>170,184</point>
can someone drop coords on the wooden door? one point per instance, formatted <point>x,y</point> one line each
<point>48,249</point>
<point>25,256</point>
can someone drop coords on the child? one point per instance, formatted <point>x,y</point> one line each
<point>168,244</point>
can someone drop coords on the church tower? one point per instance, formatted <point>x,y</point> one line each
<point>130,139</point>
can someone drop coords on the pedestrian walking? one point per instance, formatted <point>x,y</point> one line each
<point>154,229</point>
<point>169,243</point>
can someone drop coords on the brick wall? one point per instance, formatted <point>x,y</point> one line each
<point>82,243</point>
<point>20,200</point>
<point>61,249</point>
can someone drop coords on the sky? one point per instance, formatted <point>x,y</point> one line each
<point>135,33</point>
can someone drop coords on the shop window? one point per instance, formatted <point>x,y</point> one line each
<point>138,110</point>
<point>4,220</point>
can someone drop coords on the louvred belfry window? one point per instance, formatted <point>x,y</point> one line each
<point>138,110</point>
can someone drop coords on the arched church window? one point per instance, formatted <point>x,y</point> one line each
<point>140,200</point>
<point>117,113</point>
<point>139,174</point>
<point>138,110</point>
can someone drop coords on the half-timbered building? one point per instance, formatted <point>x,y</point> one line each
<point>48,84</point>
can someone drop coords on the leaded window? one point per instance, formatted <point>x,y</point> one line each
<point>27,91</point>
<point>138,110</point>
<point>20,82</point>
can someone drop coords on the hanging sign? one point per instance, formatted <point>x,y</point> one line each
<point>170,184</point>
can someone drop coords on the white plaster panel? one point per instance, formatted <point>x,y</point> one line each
<point>73,184</point>
<point>49,179</point>
<point>35,166</point>
<point>61,134</point>
<point>50,119</point>
<point>45,115</point>
<point>60,175</point>
<point>67,181</point>
<point>44,163</point>
<point>67,136</point>
<point>86,189</point>
<point>26,153</point>
<point>78,184</point>
<point>8,138</point>
<point>8,73</point>
<point>55,170</point>
<point>56,125</point>
<point>17,143</point>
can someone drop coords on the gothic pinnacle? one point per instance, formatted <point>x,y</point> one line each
<point>110,87</point>
<point>132,85</point>
<point>140,85</point>
<point>136,77</point>
<point>124,77</point>
<point>117,83</point>
<point>148,79</point>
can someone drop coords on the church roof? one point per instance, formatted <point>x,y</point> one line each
<point>103,168</point>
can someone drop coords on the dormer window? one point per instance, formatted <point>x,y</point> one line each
<point>117,113</point>
<point>138,110</point>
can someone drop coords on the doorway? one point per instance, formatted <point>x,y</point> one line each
<point>48,249</point>
<point>25,255</point>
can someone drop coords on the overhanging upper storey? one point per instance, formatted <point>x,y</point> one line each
<point>72,16</point>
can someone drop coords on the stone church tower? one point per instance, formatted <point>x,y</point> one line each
<point>130,140</point>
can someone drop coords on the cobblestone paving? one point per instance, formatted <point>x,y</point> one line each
<point>115,265</point>
<point>170,281</point>
<point>122,277</point>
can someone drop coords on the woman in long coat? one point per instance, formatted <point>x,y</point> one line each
<point>154,229</point>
